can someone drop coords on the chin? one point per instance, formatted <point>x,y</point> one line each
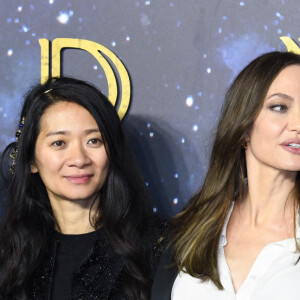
<point>80,197</point>
<point>292,168</point>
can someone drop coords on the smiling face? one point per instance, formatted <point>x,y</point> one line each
<point>70,156</point>
<point>274,139</point>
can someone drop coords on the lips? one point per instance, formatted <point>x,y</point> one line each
<point>79,179</point>
<point>292,146</point>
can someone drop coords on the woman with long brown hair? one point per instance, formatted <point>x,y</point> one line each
<point>238,237</point>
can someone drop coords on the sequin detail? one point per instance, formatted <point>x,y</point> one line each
<point>100,275</point>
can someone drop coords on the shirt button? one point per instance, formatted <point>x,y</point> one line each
<point>252,277</point>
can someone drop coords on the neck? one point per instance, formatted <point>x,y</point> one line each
<point>269,196</point>
<point>73,217</point>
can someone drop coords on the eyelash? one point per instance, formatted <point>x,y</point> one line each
<point>55,144</point>
<point>282,107</point>
<point>95,139</point>
<point>61,144</point>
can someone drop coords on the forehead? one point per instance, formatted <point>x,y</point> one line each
<point>287,81</point>
<point>67,115</point>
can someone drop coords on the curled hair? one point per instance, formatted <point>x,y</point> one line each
<point>198,227</point>
<point>28,222</point>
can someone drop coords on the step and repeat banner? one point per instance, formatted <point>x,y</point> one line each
<point>164,64</point>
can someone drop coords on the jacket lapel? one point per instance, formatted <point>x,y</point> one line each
<point>40,284</point>
<point>99,272</point>
<point>164,278</point>
<point>98,275</point>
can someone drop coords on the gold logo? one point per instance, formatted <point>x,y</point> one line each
<point>96,50</point>
<point>291,46</point>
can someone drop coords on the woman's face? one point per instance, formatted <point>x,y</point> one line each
<point>70,156</point>
<point>274,139</point>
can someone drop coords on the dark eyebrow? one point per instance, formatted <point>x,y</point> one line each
<point>284,96</point>
<point>58,132</point>
<point>92,130</point>
<point>66,132</point>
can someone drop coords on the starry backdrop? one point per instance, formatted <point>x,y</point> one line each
<point>181,56</point>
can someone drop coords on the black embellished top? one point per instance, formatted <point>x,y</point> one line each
<point>93,270</point>
<point>71,251</point>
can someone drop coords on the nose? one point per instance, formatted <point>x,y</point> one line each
<point>294,121</point>
<point>77,156</point>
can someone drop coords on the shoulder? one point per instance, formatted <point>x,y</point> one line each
<point>157,231</point>
<point>157,226</point>
<point>164,277</point>
<point>154,241</point>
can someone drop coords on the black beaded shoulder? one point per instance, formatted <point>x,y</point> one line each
<point>101,274</point>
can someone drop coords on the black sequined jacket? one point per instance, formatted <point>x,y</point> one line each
<point>164,278</point>
<point>100,275</point>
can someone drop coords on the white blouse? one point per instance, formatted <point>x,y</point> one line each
<point>274,275</point>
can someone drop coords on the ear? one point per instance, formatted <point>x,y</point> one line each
<point>246,135</point>
<point>246,138</point>
<point>34,168</point>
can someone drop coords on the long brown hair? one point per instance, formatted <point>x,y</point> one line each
<point>197,229</point>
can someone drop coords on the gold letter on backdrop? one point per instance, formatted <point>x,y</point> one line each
<point>291,46</point>
<point>95,49</point>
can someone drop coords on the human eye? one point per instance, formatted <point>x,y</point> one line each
<point>94,141</point>
<point>278,107</point>
<point>58,144</point>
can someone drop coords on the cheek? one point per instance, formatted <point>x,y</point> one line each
<point>46,163</point>
<point>104,164</point>
<point>266,131</point>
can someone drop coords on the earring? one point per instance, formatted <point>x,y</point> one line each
<point>244,144</point>
<point>14,153</point>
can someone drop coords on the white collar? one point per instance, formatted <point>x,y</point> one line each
<point>223,240</point>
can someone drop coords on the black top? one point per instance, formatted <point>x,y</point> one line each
<point>71,251</point>
<point>165,276</point>
<point>101,273</point>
